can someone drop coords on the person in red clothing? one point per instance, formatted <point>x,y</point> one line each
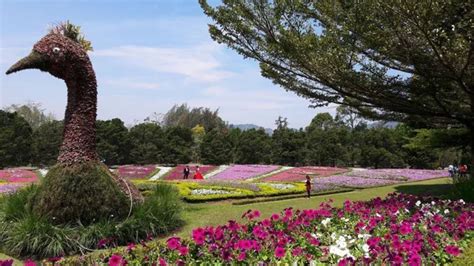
<point>463,170</point>
<point>308,186</point>
<point>197,174</point>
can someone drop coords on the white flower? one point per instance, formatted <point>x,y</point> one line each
<point>365,248</point>
<point>446,211</point>
<point>378,215</point>
<point>418,203</point>
<point>364,236</point>
<point>433,203</point>
<point>326,221</point>
<point>344,219</point>
<point>462,201</point>
<point>397,213</point>
<point>341,252</point>
<point>333,236</point>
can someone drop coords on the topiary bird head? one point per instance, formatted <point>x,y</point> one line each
<point>62,53</point>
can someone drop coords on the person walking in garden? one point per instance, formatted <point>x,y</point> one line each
<point>451,170</point>
<point>308,186</point>
<point>186,172</point>
<point>197,174</point>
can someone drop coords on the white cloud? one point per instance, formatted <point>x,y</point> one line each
<point>130,84</point>
<point>198,63</point>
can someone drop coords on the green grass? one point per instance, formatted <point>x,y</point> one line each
<point>216,213</point>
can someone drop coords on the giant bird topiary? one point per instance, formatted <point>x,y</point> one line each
<point>79,187</point>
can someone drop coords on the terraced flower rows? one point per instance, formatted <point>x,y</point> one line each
<point>177,172</point>
<point>135,171</point>
<point>243,172</point>
<point>323,178</point>
<point>299,173</point>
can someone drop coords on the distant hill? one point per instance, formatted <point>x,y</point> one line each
<point>269,131</point>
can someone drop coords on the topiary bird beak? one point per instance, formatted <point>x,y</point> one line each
<point>33,60</point>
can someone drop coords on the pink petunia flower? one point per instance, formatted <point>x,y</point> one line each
<point>242,256</point>
<point>452,250</point>
<point>173,243</point>
<point>280,252</point>
<point>116,260</point>
<point>29,263</point>
<point>6,262</point>
<point>162,262</point>
<point>183,250</point>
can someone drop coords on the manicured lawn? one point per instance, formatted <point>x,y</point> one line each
<point>202,214</point>
<point>215,213</point>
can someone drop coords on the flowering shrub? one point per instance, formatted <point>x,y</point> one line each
<point>242,172</point>
<point>299,173</point>
<point>177,172</point>
<point>16,175</point>
<point>399,230</point>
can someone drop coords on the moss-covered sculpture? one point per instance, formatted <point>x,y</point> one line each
<point>78,187</point>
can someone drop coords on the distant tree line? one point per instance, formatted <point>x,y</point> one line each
<point>199,135</point>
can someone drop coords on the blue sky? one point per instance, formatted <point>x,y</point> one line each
<point>148,56</point>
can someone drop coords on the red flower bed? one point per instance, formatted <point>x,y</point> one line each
<point>177,172</point>
<point>16,175</point>
<point>135,171</point>
<point>299,173</point>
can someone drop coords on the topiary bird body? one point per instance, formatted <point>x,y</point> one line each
<point>79,187</point>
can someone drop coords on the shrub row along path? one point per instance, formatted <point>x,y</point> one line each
<point>216,213</point>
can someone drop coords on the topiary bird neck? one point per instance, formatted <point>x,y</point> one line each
<point>79,136</point>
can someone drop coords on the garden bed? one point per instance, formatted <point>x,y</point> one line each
<point>243,172</point>
<point>299,173</point>
<point>401,229</point>
<point>136,171</point>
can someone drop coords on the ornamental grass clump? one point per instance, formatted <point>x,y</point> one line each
<point>25,234</point>
<point>399,230</point>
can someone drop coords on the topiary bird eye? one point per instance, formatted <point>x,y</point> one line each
<point>56,50</point>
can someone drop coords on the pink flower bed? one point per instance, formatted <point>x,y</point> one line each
<point>399,174</point>
<point>15,175</point>
<point>177,172</point>
<point>399,230</point>
<point>354,181</point>
<point>299,173</point>
<point>135,171</point>
<point>242,171</point>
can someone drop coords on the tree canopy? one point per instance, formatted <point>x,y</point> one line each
<point>388,59</point>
